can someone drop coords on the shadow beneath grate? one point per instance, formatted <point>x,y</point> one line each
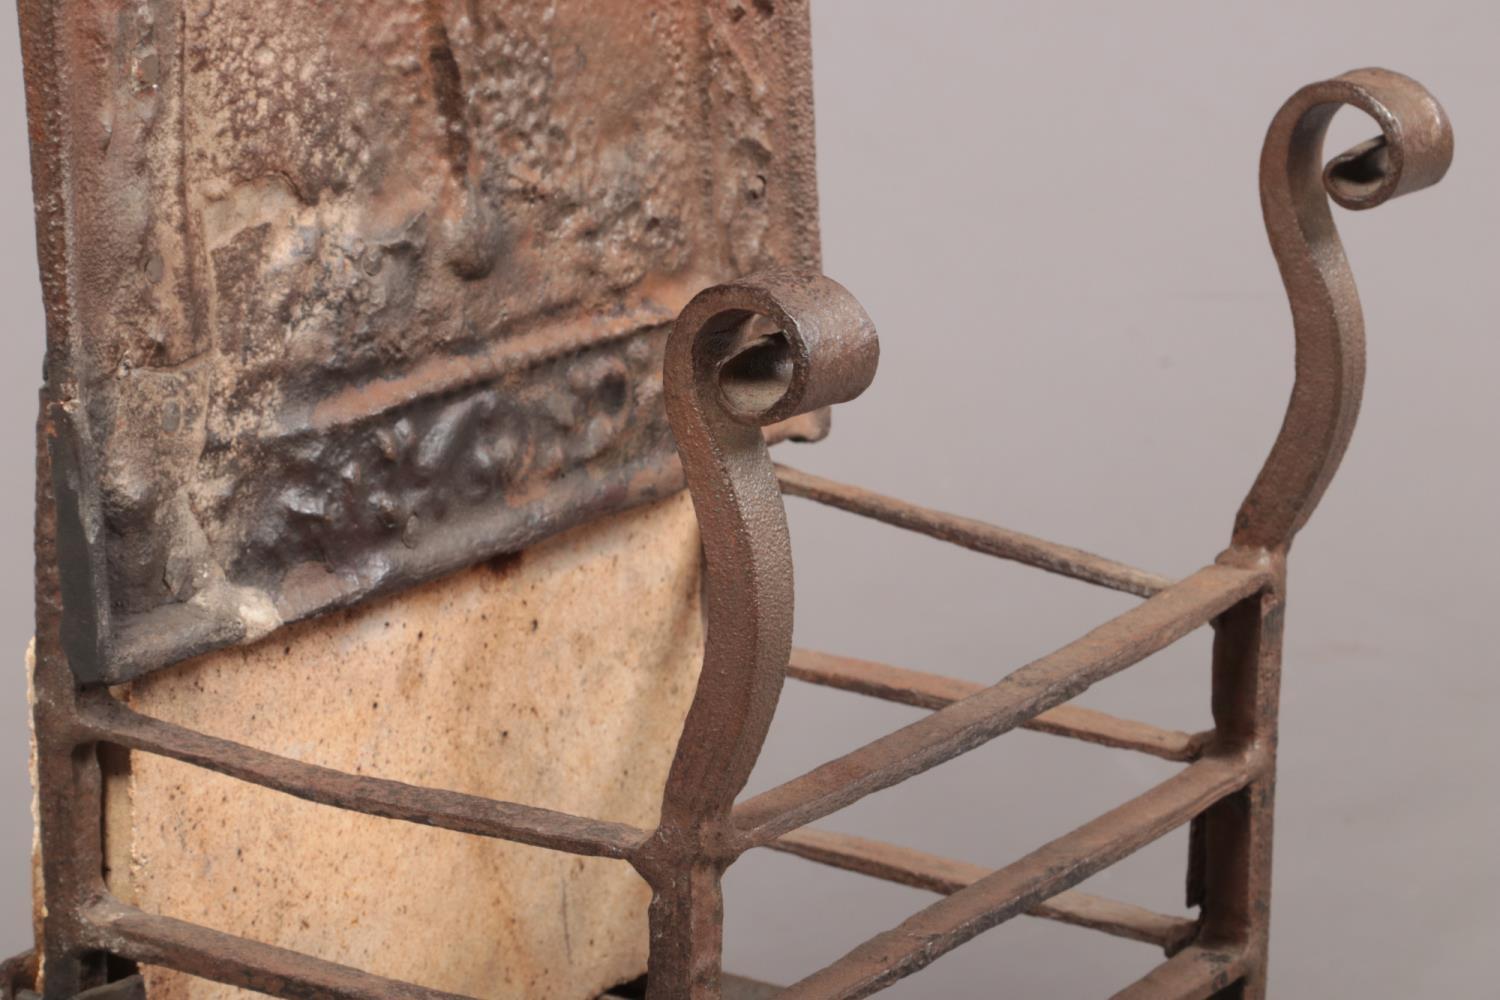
<point>734,988</point>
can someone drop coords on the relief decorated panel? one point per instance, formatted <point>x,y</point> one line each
<point>343,296</point>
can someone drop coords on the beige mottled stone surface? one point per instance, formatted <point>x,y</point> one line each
<point>559,678</point>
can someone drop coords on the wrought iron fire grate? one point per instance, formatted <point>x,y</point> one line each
<point>747,354</point>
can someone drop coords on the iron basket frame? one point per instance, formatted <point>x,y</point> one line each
<point>747,354</point>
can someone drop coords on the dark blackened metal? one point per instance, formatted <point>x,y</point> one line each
<point>69,785</point>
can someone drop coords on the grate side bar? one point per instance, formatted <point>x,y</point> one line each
<point>235,961</point>
<point>1196,973</point>
<point>924,690</point>
<point>1016,888</point>
<point>972,534</point>
<point>920,870</point>
<point>108,720</point>
<point>1019,697</point>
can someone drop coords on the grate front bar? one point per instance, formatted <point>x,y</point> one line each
<point>1020,697</point>
<point>1016,888</point>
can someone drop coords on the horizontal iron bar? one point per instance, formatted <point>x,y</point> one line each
<point>107,719</point>
<point>972,534</point>
<point>924,690</point>
<point>920,870</point>
<point>156,940</point>
<point>979,718</point>
<point>1196,973</point>
<point>1016,888</point>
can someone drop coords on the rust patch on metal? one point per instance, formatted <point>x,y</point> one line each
<point>17,973</point>
<point>741,357</point>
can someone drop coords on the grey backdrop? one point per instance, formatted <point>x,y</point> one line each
<point>1050,210</point>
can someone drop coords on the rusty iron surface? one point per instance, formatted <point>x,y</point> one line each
<point>1014,889</point>
<point>345,296</point>
<point>734,988</point>
<point>744,354</point>
<point>920,870</point>
<point>112,721</point>
<point>977,536</point>
<point>1413,151</point>
<point>18,975</point>
<point>741,356</point>
<point>1021,695</point>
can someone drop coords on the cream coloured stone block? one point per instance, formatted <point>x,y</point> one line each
<point>557,678</point>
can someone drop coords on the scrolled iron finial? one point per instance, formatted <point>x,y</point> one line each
<point>741,356</point>
<point>744,355</point>
<point>1413,151</point>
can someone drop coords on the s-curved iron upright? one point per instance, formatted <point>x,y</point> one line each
<point>1412,152</point>
<point>742,356</point>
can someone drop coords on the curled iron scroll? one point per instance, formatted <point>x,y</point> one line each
<point>742,356</point>
<point>1413,151</point>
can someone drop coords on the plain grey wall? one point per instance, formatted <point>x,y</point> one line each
<point>20,375</point>
<point>1050,210</point>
